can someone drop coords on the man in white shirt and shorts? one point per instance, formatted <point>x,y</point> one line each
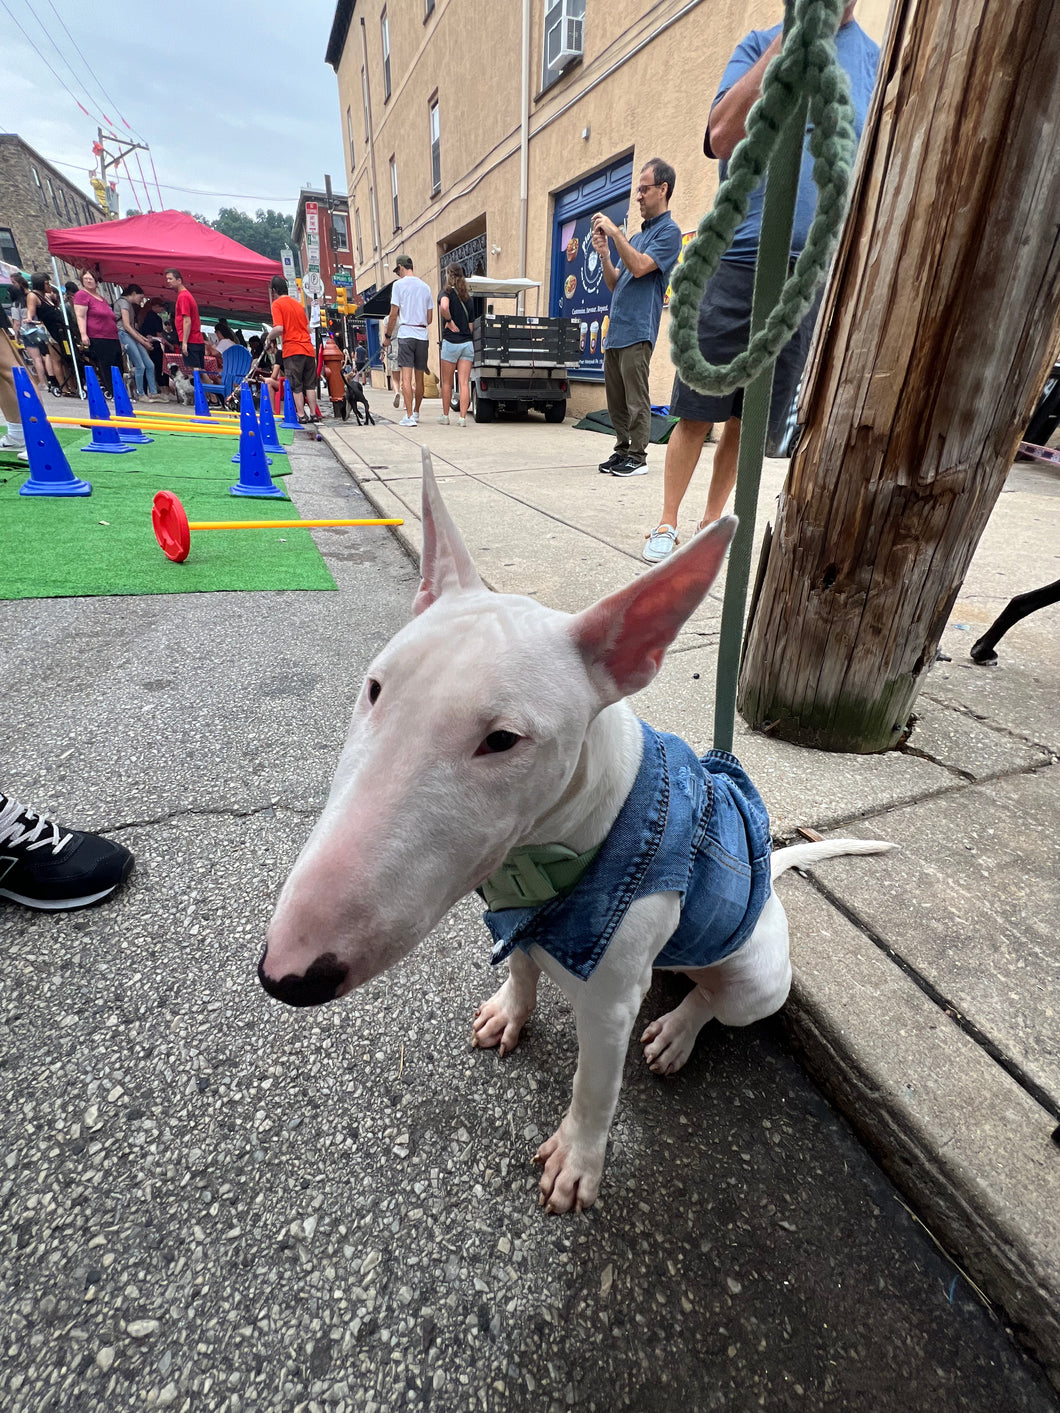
<point>412,303</point>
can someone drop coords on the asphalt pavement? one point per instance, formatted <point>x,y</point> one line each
<point>209,1201</point>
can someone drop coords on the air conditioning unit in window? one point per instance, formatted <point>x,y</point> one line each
<point>564,35</point>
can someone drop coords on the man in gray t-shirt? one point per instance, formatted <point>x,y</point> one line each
<point>412,303</point>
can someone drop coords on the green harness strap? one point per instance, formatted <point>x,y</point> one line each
<point>534,874</point>
<point>806,74</point>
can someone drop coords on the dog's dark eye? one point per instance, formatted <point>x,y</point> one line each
<point>496,742</point>
<point>373,690</point>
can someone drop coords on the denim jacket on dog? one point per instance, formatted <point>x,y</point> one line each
<point>694,827</point>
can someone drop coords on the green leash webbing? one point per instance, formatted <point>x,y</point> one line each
<point>805,75</point>
<point>807,65</point>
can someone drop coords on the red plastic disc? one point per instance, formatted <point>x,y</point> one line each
<point>171,526</point>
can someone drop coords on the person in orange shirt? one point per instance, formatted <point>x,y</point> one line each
<point>299,355</point>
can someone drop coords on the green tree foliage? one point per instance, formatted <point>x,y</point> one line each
<point>267,232</point>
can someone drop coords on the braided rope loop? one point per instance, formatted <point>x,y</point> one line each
<point>807,63</point>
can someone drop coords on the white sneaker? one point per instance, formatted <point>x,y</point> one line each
<point>407,421</point>
<point>662,541</point>
<point>444,420</point>
<point>415,419</point>
<point>462,421</point>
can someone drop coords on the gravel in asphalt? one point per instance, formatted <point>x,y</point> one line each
<point>208,1201</point>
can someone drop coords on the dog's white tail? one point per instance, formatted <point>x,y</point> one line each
<point>802,855</point>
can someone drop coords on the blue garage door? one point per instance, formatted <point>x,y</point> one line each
<point>578,289</point>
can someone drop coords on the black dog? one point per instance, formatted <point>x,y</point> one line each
<point>356,400</point>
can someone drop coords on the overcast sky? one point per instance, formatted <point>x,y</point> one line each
<point>233,97</point>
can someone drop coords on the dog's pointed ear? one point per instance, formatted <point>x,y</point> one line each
<point>624,637</point>
<point>445,564</point>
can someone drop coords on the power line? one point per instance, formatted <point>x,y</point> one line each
<point>61,82</point>
<point>91,71</point>
<point>190,190</point>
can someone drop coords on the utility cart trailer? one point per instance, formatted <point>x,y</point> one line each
<point>520,360</point>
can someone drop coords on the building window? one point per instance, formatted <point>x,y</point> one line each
<point>429,10</point>
<point>8,248</point>
<point>384,25</point>
<point>375,217</point>
<point>564,38</point>
<point>340,239</point>
<point>40,188</point>
<point>55,199</point>
<point>394,192</point>
<point>357,228</point>
<point>364,96</point>
<point>436,149</point>
<point>349,135</point>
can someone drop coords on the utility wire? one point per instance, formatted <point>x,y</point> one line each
<point>190,190</point>
<point>60,81</point>
<point>92,71</point>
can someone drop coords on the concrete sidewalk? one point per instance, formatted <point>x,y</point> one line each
<point>926,984</point>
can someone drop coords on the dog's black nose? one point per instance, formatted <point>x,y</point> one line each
<point>319,984</point>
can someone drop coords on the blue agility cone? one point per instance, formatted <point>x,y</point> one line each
<point>104,439</point>
<point>49,470</point>
<point>290,421</point>
<point>270,440</point>
<point>254,478</point>
<point>202,407</point>
<point>123,408</point>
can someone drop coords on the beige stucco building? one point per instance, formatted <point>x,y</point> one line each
<point>461,137</point>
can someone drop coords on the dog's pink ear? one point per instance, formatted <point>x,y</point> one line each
<point>624,637</point>
<point>445,564</point>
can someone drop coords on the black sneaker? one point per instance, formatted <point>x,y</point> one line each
<point>50,868</point>
<point>630,466</point>
<point>612,461</point>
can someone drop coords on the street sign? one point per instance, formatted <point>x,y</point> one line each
<point>287,259</point>
<point>313,285</point>
<point>312,236</point>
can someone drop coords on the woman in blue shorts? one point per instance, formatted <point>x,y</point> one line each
<point>454,305</point>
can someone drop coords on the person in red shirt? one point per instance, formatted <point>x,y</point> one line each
<point>299,356</point>
<point>186,322</point>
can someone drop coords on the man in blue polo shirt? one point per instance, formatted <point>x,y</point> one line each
<point>637,281</point>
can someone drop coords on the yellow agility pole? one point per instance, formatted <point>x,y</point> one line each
<point>132,425</point>
<point>173,529</point>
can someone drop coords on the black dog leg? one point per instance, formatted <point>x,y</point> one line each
<point>1017,608</point>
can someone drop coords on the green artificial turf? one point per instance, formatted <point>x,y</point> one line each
<point>57,547</point>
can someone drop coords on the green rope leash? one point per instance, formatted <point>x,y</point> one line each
<point>807,63</point>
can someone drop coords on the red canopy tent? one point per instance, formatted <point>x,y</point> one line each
<point>221,273</point>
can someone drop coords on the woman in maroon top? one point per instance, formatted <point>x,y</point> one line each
<point>99,329</point>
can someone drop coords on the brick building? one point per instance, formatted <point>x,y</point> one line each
<point>335,248</point>
<point>35,197</point>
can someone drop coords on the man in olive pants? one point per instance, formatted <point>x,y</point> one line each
<point>637,283</point>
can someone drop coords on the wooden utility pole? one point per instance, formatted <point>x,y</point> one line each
<point>939,326</point>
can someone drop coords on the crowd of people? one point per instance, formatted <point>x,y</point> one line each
<point>56,334</point>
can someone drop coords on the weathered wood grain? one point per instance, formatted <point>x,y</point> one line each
<point>939,326</point>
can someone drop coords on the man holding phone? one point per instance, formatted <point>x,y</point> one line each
<point>637,280</point>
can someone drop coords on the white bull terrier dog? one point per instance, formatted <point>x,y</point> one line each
<point>491,747</point>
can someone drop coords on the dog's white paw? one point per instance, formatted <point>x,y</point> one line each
<point>669,1041</point>
<point>499,1021</point>
<point>571,1180</point>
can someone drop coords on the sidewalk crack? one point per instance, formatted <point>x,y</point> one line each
<point>938,998</point>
